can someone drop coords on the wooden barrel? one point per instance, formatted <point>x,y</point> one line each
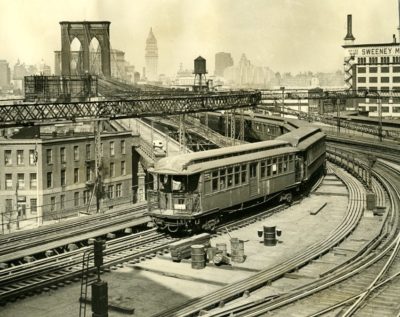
<point>221,247</point>
<point>269,236</point>
<point>198,256</point>
<point>237,250</point>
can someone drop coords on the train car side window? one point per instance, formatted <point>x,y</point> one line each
<point>237,175</point>
<point>263,169</point>
<point>253,170</point>
<point>222,179</point>
<point>280,163</point>
<point>274,166</point>
<point>215,181</point>
<point>230,177</point>
<point>244,173</point>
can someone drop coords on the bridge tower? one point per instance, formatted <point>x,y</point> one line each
<point>85,31</point>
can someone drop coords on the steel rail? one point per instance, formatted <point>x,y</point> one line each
<point>67,230</point>
<point>340,275</point>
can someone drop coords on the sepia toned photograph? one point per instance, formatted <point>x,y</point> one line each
<point>214,158</point>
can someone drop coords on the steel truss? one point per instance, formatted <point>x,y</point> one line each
<point>138,107</point>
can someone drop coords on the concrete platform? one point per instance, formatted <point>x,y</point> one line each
<point>154,285</point>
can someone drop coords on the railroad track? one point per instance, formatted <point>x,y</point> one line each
<point>25,240</point>
<point>18,281</point>
<point>348,294</point>
<point>232,291</point>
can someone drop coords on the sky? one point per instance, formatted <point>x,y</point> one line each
<point>284,35</point>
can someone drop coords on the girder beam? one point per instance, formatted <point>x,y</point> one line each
<point>145,106</point>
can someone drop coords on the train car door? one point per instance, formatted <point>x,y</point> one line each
<point>299,168</point>
<point>253,179</point>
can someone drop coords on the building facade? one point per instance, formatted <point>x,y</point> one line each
<point>51,176</point>
<point>374,68</point>
<point>222,61</point>
<point>151,57</point>
<point>5,74</point>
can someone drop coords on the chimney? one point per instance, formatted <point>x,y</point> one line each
<point>349,36</point>
<point>394,38</point>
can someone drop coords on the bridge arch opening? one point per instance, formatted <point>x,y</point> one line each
<point>76,56</point>
<point>95,61</point>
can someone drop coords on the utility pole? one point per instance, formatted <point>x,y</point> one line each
<point>338,115</point>
<point>380,117</point>
<point>283,102</point>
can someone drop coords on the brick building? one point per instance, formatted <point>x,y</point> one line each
<point>50,171</point>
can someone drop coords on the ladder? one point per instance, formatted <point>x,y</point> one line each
<point>85,282</point>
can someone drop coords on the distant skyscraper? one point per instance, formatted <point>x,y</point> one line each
<point>4,74</point>
<point>151,56</point>
<point>222,61</point>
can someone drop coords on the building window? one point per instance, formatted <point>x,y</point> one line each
<point>32,180</point>
<point>33,205</point>
<point>88,173</point>
<point>123,147</point>
<point>362,60</point>
<point>76,175</point>
<point>20,157</point>
<point>361,70</point>
<point>396,79</point>
<point>7,157</point>
<point>118,190</point>
<point>112,148</point>
<point>385,109</point>
<point>384,69</point>
<point>396,69</point>
<point>9,184</point>
<point>53,204</point>
<point>384,79</point>
<point>21,181</point>
<point>123,168</point>
<point>385,89</point>
<point>373,60</point>
<point>373,69</point>
<point>373,108</point>
<point>373,79</point>
<point>76,153</point>
<point>111,191</point>
<point>396,109</point>
<point>32,157</point>
<point>86,197</point>
<point>88,151</point>
<point>49,156</point>
<point>63,180</point>
<point>62,202</point>
<point>62,155</point>
<point>361,79</point>
<point>49,179</point>
<point>76,199</point>
<point>385,60</point>
<point>112,169</point>
<point>9,205</point>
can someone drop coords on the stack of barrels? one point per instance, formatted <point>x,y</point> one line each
<point>218,254</point>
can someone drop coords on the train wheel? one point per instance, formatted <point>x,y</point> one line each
<point>173,229</point>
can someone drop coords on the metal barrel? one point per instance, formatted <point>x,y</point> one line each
<point>211,252</point>
<point>269,236</point>
<point>237,250</point>
<point>198,256</point>
<point>221,247</point>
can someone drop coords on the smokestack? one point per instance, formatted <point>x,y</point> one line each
<point>394,38</point>
<point>349,36</point>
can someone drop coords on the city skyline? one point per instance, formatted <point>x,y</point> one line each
<point>287,36</point>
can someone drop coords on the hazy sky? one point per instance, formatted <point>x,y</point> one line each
<point>285,35</point>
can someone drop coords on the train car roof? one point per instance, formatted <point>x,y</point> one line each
<point>177,167</point>
<point>198,161</point>
<point>302,136</point>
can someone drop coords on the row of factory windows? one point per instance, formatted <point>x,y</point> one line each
<point>63,178</point>
<point>385,109</point>
<point>376,60</point>
<point>375,69</point>
<point>113,191</point>
<point>233,176</point>
<point>375,79</point>
<point>8,158</point>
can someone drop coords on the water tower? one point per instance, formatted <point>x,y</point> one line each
<point>200,72</point>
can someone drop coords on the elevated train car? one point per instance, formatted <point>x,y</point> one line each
<point>193,191</point>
